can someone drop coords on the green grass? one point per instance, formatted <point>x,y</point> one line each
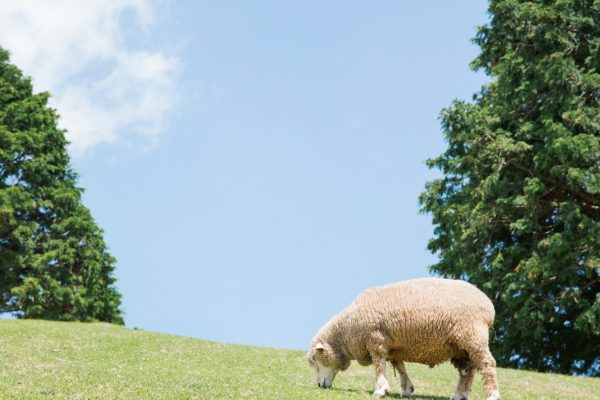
<point>53,360</point>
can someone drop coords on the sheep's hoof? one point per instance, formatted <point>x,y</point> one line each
<point>460,396</point>
<point>407,392</point>
<point>378,394</point>
<point>495,395</point>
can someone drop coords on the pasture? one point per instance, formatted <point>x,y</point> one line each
<point>77,361</point>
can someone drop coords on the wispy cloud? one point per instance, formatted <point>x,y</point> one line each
<point>106,90</point>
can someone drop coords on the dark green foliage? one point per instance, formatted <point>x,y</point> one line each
<point>54,263</point>
<point>517,210</point>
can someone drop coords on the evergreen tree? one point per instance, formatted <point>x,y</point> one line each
<point>517,209</point>
<point>54,263</point>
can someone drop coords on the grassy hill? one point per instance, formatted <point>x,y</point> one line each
<point>53,360</point>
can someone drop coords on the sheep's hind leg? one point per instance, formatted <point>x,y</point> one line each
<point>476,345</point>
<point>383,387</point>
<point>405,383</point>
<point>485,363</point>
<point>466,373</point>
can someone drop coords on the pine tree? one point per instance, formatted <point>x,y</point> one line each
<point>54,263</point>
<point>517,209</point>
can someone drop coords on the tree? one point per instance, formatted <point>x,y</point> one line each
<point>54,263</point>
<point>517,209</point>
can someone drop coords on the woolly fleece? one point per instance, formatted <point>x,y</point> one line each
<point>428,321</point>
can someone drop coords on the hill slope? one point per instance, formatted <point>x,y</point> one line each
<point>53,360</point>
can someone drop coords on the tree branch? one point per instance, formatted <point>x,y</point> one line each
<point>588,199</point>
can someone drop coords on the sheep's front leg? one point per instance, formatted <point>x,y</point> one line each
<point>382,385</point>
<point>405,383</point>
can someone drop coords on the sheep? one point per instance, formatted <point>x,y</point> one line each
<point>428,321</point>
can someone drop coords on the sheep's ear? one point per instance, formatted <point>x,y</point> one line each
<point>319,347</point>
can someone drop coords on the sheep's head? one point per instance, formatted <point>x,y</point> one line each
<point>319,358</point>
<point>326,363</point>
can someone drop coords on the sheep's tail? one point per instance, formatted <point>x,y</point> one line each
<point>490,321</point>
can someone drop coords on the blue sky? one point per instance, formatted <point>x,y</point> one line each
<point>254,165</point>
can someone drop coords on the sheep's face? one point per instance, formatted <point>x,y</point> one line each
<point>322,361</point>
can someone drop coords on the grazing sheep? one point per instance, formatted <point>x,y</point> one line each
<point>428,321</point>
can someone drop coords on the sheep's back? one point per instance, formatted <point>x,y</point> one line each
<point>422,313</point>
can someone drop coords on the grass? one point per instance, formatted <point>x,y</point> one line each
<point>54,360</point>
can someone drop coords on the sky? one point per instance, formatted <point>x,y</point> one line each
<point>254,164</point>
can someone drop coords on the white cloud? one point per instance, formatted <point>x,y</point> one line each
<point>105,90</point>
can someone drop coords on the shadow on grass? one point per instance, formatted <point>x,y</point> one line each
<point>393,395</point>
<point>416,397</point>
